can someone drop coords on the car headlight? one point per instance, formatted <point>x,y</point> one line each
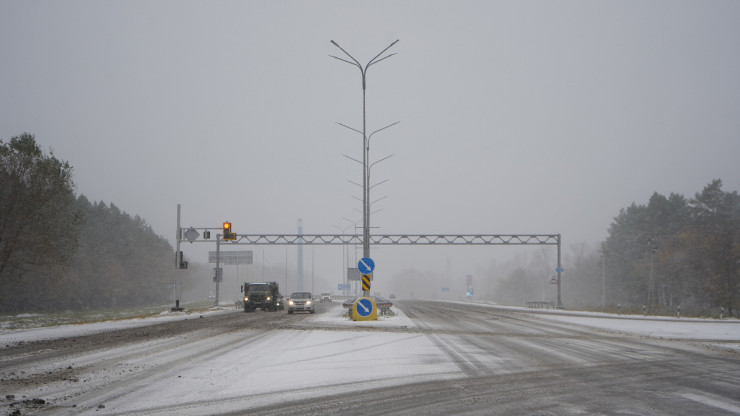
<point>290,303</point>
<point>308,302</point>
<point>268,298</point>
<point>246,299</point>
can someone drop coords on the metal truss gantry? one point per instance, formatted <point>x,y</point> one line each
<point>409,239</point>
<point>399,239</point>
<point>192,235</point>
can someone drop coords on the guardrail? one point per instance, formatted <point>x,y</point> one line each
<point>539,304</point>
<point>383,304</point>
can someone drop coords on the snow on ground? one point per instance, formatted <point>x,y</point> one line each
<point>300,364</point>
<point>676,328</point>
<point>652,326</point>
<point>257,367</point>
<point>75,330</point>
<point>724,333</point>
<point>658,327</point>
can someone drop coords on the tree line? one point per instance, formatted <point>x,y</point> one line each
<point>59,251</point>
<point>670,253</point>
<point>675,251</point>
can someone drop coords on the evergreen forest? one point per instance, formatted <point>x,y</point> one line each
<point>59,251</point>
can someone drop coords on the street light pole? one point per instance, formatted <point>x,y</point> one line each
<point>345,255</point>
<point>603,275</point>
<point>365,141</point>
<point>653,247</point>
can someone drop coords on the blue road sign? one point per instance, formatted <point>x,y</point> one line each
<point>559,270</point>
<point>364,307</point>
<point>366,265</point>
<point>342,286</point>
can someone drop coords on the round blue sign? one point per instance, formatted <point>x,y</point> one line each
<point>364,307</point>
<point>366,265</point>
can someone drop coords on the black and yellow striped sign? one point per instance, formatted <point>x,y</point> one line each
<point>366,282</point>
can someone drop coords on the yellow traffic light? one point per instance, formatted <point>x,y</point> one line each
<point>228,235</point>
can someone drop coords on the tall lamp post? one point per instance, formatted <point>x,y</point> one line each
<point>345,254</point>
<point>653,247</point>
<point>365,141</point>
<point>603,275</point>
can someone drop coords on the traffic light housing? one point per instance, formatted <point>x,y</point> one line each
<point>228,235</point>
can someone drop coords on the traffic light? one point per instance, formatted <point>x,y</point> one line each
<point>228,235</point>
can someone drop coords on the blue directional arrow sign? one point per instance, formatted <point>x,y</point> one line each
<point>366,265</point>
<point>364,307</point>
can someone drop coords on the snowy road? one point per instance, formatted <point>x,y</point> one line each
<point>432,358</point>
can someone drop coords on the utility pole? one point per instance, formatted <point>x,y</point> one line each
<point>603,275</point>
<point>653,247</point>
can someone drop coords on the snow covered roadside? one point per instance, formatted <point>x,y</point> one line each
<point>673,328</point>
<point>8,336</point>
<point>722,333</point>
<point>332,317</point>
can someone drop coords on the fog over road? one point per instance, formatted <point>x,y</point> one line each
<point>433,358</point>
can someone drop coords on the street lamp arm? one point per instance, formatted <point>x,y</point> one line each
<point>381,59</point>
<point>381,129</point>
<point>343,230</point>
<point>373,61</point>
<point>354,183</point>
<point>379,199</point>
<point>344,60</point>
<point>379,183</point>
<point>351,158</point>
<point>354,223</point>
<point>378,161</point>
<point>377,211</point>
<point>351,57</point>
<point>348,127</point>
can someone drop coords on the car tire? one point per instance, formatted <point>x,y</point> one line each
<point>290,312</point>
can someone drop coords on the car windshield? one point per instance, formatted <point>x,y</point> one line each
<point>258,288</point>
<point>301,295</point>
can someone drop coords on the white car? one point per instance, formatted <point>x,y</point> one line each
<point>301,301</point>
<point>325,297</point>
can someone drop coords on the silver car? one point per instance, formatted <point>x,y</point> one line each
<point>301,301</point>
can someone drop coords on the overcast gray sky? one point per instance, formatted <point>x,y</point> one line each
<point>516,117</point>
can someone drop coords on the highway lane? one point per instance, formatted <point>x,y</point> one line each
<point>517,363</point>
<point>455,358</point>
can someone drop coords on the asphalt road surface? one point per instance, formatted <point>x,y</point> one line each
<point>491,361</point>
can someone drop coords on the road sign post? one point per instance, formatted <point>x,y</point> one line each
<point>366,265</point>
